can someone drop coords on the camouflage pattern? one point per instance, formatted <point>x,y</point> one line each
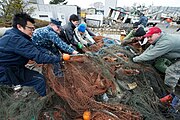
<point>172,74</point>
<point>47,38</point>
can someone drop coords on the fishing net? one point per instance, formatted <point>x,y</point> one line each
<point>19,107</point>
<point>84,79</point>
<point>104,81</point>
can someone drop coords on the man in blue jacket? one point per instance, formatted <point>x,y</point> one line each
<point>16,49</point>
<point>143,20</point>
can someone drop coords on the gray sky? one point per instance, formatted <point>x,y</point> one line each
<point>121,3</point>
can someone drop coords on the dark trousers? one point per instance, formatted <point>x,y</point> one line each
<point>57,69</point>
<point>23,76</point>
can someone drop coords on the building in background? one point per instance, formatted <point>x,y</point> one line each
<point>108,4</point>
<point>47,11</point>
<point>35,1</point>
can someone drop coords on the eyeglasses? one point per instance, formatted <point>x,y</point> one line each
<point>31,28</point>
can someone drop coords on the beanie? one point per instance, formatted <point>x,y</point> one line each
<point>135,25</point>
<point>139,32</point>
<point>82,28</point>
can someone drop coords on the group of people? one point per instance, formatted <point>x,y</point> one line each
<point>43,45</point>
<point>164,49</point>
<point>23,43</point>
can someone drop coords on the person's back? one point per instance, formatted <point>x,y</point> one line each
<point>47,40</point>
<point>9,46</point>
<point>173,43</point>
<point>143,20</point>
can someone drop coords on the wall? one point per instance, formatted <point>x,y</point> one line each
<point>56,11</point>
<point>109,3</point>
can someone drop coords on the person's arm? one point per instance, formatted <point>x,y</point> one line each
<point>26,49</point>
<point>129,41</point>
<point>140,20</point>
<point>90,32</point>
<point>89,37</point>
<point>153,52</point>
<point>130,35</point>
<point>60,43</point>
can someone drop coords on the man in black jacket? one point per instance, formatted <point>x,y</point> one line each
<point>69,33</point>
<point>16,49</point>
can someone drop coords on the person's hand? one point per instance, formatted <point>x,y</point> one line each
<point>65,56</point>
<point>132,59</point>
<point>80,46</point>
<point>75,52</point>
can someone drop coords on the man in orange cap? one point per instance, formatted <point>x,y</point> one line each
<point>166,46</point>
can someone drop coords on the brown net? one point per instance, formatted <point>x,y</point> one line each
<point>83,80</point>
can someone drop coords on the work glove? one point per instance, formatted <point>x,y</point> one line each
<point>132,59</point>
<point>134,54</point>
<point>65,56</point>
<point>80,46</point>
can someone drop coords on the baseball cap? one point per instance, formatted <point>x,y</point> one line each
<point>152,31</point>
<point>139,32</point>
<point>56,22</point>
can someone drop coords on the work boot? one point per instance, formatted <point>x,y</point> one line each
<point>167,98</point>
<point>176,105</point>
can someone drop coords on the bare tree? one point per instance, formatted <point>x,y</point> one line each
<point>10,7</point>
<point>64,2</point>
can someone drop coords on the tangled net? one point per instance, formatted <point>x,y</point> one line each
<point>83,81</point>
<point>105,82</point>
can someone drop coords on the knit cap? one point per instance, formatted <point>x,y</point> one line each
<point>139,32</point>
<point>82,28</point>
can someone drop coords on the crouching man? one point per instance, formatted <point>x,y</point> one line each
<point>16,49</point>
<point>166,46</point>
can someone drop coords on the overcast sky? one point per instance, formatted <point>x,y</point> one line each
<point>121,3</point>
